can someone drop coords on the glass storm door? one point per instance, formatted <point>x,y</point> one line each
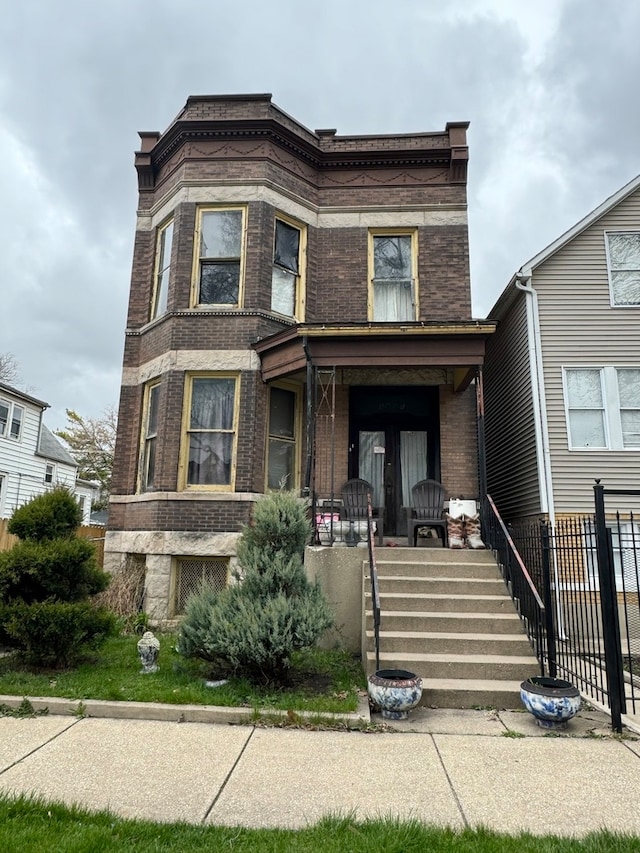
<point>393,460</point>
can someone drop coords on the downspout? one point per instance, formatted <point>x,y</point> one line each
<point>543,453</point>
<point>523,283</point>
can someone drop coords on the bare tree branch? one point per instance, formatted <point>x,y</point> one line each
<point>9,369</point>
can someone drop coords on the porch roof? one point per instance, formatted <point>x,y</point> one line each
<point>385,345</point>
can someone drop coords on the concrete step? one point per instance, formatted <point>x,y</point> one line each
<point>444,585</point>
<point>452,622</point>
<point>426,555</point>
<point>475,666</point>
<point>471,693</point>
<point>448,569</point>
<point>449,602</point>
<point>451,643</point>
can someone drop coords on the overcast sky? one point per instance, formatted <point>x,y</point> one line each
<point>549,86</point>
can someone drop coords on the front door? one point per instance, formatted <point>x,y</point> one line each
<point>393,444</point>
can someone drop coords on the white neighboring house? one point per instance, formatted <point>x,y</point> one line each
<point>32,459</point>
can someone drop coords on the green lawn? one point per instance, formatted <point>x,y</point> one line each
<point>323,681</point>
<point>32,826</point>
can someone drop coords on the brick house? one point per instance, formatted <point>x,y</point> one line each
<point>300,311</point>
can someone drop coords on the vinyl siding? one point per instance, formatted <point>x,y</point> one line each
<point>579,328</point>
<point>22,471</point>
<point>512,470</point>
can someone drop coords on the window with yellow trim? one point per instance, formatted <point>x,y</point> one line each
<point>219,242</point>
<point>287,277</point>
<point>282,449</point>
<point>392,277</point>
<point>150,438</point>
<point>162,270</point>
<point>210,431</point>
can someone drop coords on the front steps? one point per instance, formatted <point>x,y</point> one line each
<point>447,616</point>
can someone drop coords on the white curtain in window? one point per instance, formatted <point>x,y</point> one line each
<point>413,461</point>
<point>283,291</point>
<point>211,439</point>
<point>371,463</point>
<point>393,301</point>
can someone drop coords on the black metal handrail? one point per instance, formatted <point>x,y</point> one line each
<point>530,606</point>
<point>373,575</point>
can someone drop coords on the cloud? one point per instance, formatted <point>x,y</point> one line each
<point>553,132</point>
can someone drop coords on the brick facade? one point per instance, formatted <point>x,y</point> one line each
<point>244,151</point>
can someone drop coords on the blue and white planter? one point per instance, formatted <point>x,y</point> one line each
<point>552,701</point>
<point>395,692</point>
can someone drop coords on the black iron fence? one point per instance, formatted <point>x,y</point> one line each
<point>586,570</point>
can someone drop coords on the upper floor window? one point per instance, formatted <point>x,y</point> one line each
<point>623,261</point>
<point>49,472</point>
<point>210,430</point>
<point>287,278</point>
<point>392,277</point>
<point>150,438</point>
<point>219,238</point>
<point>11,419</point>
<point>162,269</point>
<point>603,407</point>
<point>283,435</point>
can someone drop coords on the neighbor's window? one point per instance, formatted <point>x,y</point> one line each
<point>281,467</point>
<point>16,421</point>
<point>623,259</point>
<point>219,238</point>
<point>585,408</point>
<point>5,408</point>
<point>287,279</point>
<point>629,396</point>
<point>162,270</point>
<point>48,473</point>
<point>150,446</point>
<point>603,407</point>
<point>392,277</point>
<point>11,419</point>
<point>209,440</point>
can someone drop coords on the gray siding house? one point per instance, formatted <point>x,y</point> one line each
<point>562,371</point>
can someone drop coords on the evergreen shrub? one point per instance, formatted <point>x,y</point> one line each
<point>46,583</point>
<point>253,626</point>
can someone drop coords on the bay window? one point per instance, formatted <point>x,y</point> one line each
<point>219,242</point>
<point>210,430</point>
<point>162,270</point>
<point>287,277</point>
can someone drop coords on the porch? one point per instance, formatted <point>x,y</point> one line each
<point>390,404</point>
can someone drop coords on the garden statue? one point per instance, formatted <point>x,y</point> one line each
<point>148,651</point>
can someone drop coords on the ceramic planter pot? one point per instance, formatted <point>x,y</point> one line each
<point>552,701</point>
<point>395,692</point>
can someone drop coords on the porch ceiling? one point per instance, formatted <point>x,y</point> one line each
<point>458,345</point>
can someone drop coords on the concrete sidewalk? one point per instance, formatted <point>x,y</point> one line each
<point>456,768</point>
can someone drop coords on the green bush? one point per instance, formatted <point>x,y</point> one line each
<point>55,633</point>
<point>46,581</point>
<point>254,626</point>
<point>52,515</point>
<point>63,569</point>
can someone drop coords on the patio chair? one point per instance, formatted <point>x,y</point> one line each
<point>354,504</point>
<point>427,510</point>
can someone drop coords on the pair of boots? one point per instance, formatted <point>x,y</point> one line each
<point>464,532</point>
